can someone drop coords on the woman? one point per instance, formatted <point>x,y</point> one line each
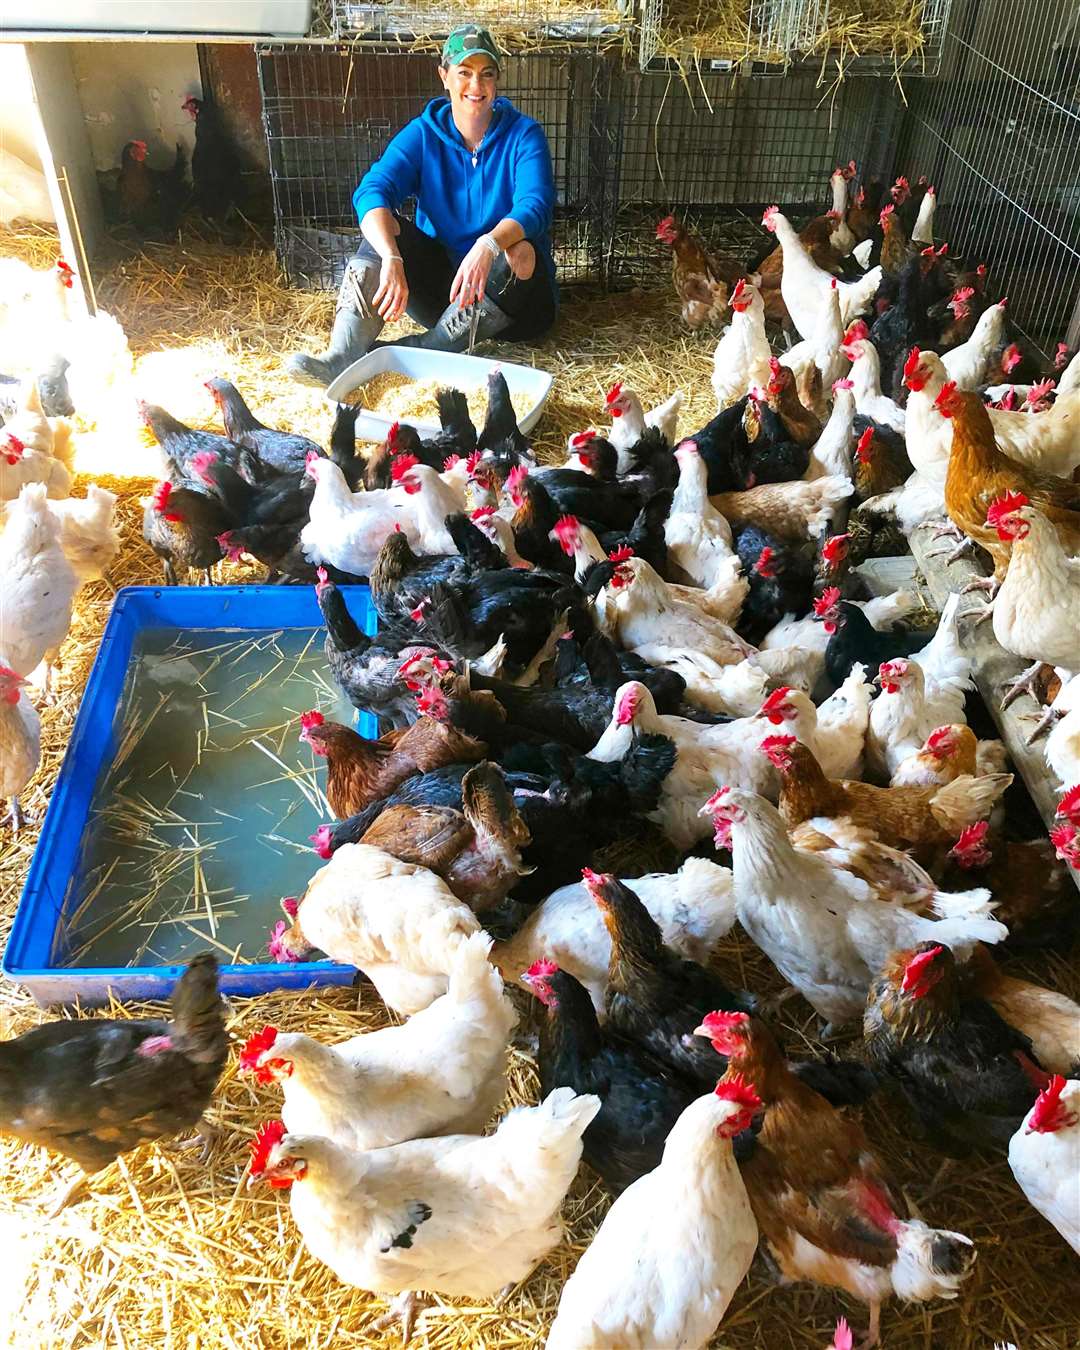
<point>477,261</point>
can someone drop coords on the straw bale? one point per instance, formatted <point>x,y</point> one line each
<point>173,1253</point>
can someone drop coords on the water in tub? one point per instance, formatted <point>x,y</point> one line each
<point>200,822</point>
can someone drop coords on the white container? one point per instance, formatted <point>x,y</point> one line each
<point>449,369</point>
<point>277,18</point>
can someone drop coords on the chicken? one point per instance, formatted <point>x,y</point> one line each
<point>832,452</point>
<point>970,364</point>
<point>20,465</point>
<point>949,751</point>
<point>882,611</point>
<point>698,537</point>
<point>694,908</point>
<point>359,771</point>
<point>703,280</point>
<point>853,638</point>
<point>923,231</point>
<point>441,1072</point>
<point>476,851</point>
<point>795,510</point>
<point>806,287</point>
<point>97,1087</point>
<point>1049,1020</point>
<point>823,1205</point>
<point>397,922</point>
<point>979,474</point>
<point>907,710</point>
<point>184,528</point>
<point>39,585</point>
<point>819,361</point>
<point>741,358</point>
<point>922,819</point>
<point>629,421</point>
<point>88,532</point>
<point>150,199</point>
<point>281,450</point>
<point>685,1230</point>
<point>347,529</point>
<point>20,743</point>
<point>216,169</point>
<point>1044,1155</point>
<point>1036,611</point>
<point>966,1074</point>
<point>866,379</point>
<point>28,423</point>
<point>641,1096</point>
<point>881,464</point>
<point>460,1215</point>
<point>819,926</point>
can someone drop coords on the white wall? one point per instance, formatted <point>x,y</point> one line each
<point>133,91</point>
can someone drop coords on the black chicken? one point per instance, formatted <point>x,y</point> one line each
<point>216,170</point>
<point>281,450</point>
<point>533,522</point>
<point>150,199</point>
<point>183,527</point>
<point>343,444</point>
<point>781,577</point>
<point>181,443</point>
<point>95,1088</point>
<point>722,444</point>
<point>400,579</point>
<point>641,1096</point>
<point>856,639</point>
<point>501,434</point>
<point>968,1076</point>
<point>773,457</point>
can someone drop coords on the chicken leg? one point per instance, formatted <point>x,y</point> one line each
<point>873,1332</point>
<point>17,816</point>
<point>1024,683</point>
<point>989,584</point>
<point>1050,715</point>
<point>204,1141</point>
<point>406,1308</point>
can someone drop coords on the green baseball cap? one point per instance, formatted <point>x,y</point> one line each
<point>469,40</point>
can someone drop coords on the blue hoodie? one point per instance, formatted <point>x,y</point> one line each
<point>456,202</point>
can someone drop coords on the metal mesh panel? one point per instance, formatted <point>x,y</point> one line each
<point>717,149</point>
<point>515,23</point>
<point>330,110</point>
<point>836,23</point>
<point>998,132</point>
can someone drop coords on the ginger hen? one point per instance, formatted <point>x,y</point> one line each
<point>703,280</point>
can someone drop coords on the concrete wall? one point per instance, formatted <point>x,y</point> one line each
<point>133,91</point>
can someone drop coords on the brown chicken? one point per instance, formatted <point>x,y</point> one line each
<point>359,772</point>
<point>896,248</point>
<point>1033,892</point>
<point>923,819</point>
<point>979,473</point>
<point>476,851</point>
<point>878,466</point>
<point>782,397</point>
<point>862,214</point>
<point>1049,1020</point>
<point>92,1089</point>
<point>948,752</point>
<point>794,510</point>
<point>823,1205</point>
<point>703,280</point>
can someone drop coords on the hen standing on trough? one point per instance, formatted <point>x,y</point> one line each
<point>95,1088</point>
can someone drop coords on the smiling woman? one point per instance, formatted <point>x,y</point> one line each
<point>476,262</point>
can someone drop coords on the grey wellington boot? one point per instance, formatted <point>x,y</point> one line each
<point>459,323</point>
<point>356,326</point>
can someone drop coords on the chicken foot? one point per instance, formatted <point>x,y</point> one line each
<point>1024,683</point>
<point>967,548</point>
<point>204,1141</point>
<point>989,584</point>
<point>1050,715</point>
<point>16,815</point>
<point>406,1308</point>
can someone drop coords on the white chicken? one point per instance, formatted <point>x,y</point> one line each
<point>433,499</point>
<point>969,364</point>
<point>841,237</point>
<point>20,465</point>
<point>20,743</point>
<point>39,585</point>
<point>459,1215</point>
<point>397,922</point>
<point>347,529</point>
<point>832,451</point>
<point>442,1072</point>
<point>882,611</point>
<point>1063,744</point>
<point>923,230</point>
<point>88,532</point>
<point>694,908</point>
<point>629,420</point>
<point>685,1230</point>
<point>819,360</point>
<point>906,711</point>
<point>820,926</point>
<point>1044,1155</point>
<point>866,378</point>
<point>806,287</point>
<point>741,358</point>
<point>698,537</point>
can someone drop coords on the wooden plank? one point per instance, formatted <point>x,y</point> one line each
<point>992,667</point>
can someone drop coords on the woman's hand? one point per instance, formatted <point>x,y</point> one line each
<point>470,282</point>
<point>390,299</point>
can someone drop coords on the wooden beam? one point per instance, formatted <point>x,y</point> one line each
<point>992,668</point>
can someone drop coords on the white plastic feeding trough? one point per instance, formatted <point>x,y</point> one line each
<point>447,368</point>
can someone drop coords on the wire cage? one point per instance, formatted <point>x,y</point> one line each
<point>716,149</point>
<point>732,31</point>
<point>329,111</point>
<point>516,24</point>
<point>872,37</point>
<point>998,133</point>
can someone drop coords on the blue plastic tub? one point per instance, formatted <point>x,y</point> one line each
<point>28,959</point>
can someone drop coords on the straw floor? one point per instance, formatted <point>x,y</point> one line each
<point>173,1253</point>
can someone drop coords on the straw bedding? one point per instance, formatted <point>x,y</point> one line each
<point>174,1253</point>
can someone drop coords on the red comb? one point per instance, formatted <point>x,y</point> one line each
<point>911,365</point>
<point>776,750</point>
<point>266,1137</point>
<point>482,513</point>
<point>827,600</point>
<point>1068,808</point>
<point>311,719</point>
<point>738,1090</point>
<point>1004,506</point>
<point>159,499</point>
<point>621,554</point>
<point>716,1023</point>
<point>971,838</point>
<point>474,461</point>
<point>516,477</point>
<point>1010,357</point>
<point>249,1056</point>
<point>542,969</point>
<point>940,739</point>
<point>392,434</point>
<point>945,402</point>
<point>862,450</point>
<point>835,548</point>
<point>772,706</point>
<point>842,1335</point>
<point>401,466</point>
<point>613,393</point>
<point>765,567</point>
<point>916,968</point>
<point>1049,1112</point>
<point>450,462</point>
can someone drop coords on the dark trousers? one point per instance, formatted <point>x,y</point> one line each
<point>430,270</point>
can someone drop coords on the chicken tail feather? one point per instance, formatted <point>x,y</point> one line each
<point>198,1014</point>
<point>930,1262</point>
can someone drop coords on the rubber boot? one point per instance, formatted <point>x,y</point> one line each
<point>452,332</point>
<point>356,326</point>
